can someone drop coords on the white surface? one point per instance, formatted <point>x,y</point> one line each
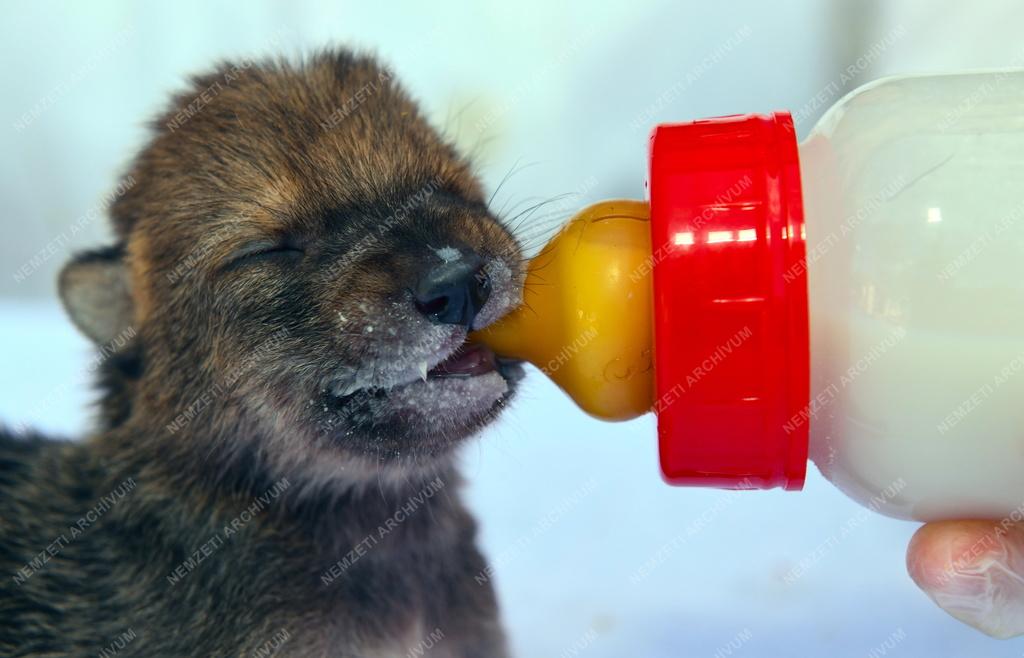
<point>573,512</point>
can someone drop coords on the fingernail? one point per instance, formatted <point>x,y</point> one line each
<point>987,592</point>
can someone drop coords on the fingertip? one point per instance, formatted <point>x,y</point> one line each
<point>973,570</point>
<point>938,549</point>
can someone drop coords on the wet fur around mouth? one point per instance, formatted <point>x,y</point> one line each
<point>270,457</point>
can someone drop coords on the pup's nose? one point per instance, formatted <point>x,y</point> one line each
<point>454,291</point>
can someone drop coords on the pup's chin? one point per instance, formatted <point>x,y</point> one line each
<point>425,419</point>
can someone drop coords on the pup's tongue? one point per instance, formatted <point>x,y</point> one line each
<point>471,359</point>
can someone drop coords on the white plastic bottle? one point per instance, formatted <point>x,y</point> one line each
<point>895,233</point>
<point>914,204</point>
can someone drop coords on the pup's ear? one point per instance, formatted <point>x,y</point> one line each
<point>97,294</point>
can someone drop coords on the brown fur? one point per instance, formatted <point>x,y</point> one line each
<point>221,384</point>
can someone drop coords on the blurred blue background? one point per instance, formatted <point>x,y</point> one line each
<point>593,555</point>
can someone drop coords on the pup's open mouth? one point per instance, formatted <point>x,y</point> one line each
<point>469,360</point>
<point>421,411</point>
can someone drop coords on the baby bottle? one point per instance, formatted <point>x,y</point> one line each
<point>857,299</point>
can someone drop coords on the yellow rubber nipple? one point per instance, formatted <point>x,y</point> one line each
<point>585,320</point>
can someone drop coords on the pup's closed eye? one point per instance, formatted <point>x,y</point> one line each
<point>263,250</point>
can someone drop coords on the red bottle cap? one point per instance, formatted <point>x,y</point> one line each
<point>730,302</point>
